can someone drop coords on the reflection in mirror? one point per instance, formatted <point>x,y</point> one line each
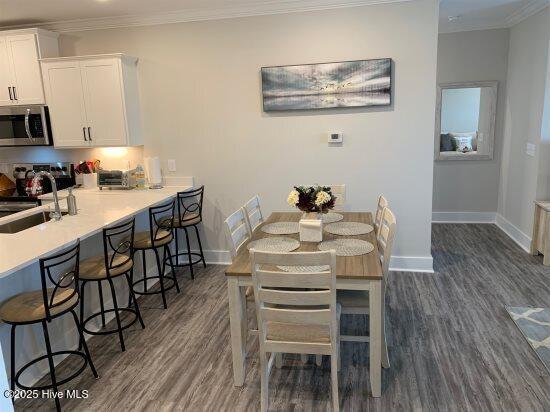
<point>465,121</point>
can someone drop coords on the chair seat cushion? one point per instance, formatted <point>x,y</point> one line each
<point>142,240</point>
<point>357,299</point>
<point>190,219</point>
<point>94,268</point>
<point>29,306</point>
<point>291,332</point>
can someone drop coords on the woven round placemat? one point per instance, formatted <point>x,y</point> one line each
<point>304,269</point>
<point>281,228</point>
<point>274,244</point>
<point>348,228</point>
<point>347,247</point>
<point>331,217</point>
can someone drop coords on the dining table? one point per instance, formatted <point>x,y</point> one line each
<point>363,272</point>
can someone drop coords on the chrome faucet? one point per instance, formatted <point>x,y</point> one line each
<point>57,214</point>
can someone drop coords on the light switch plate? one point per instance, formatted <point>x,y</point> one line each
<point>530,149</point>
<point>171,165</point>
<point>335,137</point>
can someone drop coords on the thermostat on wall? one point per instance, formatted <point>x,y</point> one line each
<point>335,137</point>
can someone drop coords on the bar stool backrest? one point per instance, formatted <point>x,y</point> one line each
<point>190,204</point>
<point>118,244</point>
<point>159,221</point>
<point>61,272</point>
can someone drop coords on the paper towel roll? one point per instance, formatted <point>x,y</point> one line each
<point>152,170</point>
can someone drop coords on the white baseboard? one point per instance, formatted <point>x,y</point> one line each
<point>463,217</point>
<point>424,264</point>
<point>212,257</point>
<point>514,233</point>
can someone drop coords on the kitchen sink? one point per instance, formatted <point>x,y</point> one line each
<point>26,222</point>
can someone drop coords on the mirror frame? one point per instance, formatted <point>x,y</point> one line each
<point>493,85</point>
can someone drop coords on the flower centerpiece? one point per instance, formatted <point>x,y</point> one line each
<point>312,200</point>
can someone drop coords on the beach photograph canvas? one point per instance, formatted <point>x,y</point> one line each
<point>359,83</point>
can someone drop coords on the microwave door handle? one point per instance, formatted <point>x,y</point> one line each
<point>27,126</point>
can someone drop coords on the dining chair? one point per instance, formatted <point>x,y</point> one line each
<point>355,302</point>
<point>237,231</point>
<point>253,213</point>
<point>340,192</point>
<point>382,203</point>
<point>297,312</point>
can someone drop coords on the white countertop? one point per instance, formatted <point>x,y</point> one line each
<point>96,210</point>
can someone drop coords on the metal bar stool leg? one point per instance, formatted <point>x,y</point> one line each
<point>81,308</point>
<point>172,267</point>
<point>84,344</point>
<point>12,383</point>
<point>189,253</point>
<point>177,246</point>
<point>161,277</point>
<point>133,297</point>
<point>117,315</point>
<point>144,270</point>
<point>200,246</point>
<point>50,362</point>
<point>100,290</point>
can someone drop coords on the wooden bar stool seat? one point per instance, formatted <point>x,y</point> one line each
<point>158,236</point>
<point>116,261</point>
<point>29,307</point>
<point>190,220</point>
<point>94,268</point>
<point>42,306</point>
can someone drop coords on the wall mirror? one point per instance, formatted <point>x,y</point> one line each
<point>465,121</point>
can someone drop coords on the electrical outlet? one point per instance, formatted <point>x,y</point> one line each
<point>171,165</point>
<point>530,149</point>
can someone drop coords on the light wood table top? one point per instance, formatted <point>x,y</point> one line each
<point>361,267</point>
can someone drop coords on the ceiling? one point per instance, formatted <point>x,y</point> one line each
<point>68,15</point>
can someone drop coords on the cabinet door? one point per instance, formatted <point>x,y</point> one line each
<point>104,100</point>
<point>26,75</point>
<point>65,94</point>
<point>5,74</point>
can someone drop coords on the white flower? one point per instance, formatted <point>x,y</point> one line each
<point>293,198</point>
<point>322,198</point>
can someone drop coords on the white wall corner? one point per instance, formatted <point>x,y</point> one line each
<point>514,233</point>
<point>463,217</point>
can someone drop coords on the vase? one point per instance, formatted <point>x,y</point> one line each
<point>311,227</point>
<point>89,180</point>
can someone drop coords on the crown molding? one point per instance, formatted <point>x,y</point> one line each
<point>201,14</point>
<point>529,9</point>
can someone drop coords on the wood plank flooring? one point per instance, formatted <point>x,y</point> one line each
<point>452,345</point>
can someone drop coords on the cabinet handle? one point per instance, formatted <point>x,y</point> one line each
<point>90,133</point>
<point>14,94</point>
<point>9,91</point>
<point>84,133</point>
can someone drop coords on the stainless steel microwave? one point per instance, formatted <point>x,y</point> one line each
<point>25,126</point>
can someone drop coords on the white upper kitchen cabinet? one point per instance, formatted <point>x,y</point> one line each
<point>20,75</point>
<point>93,100</point>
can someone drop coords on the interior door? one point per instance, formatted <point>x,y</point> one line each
<point>104,99</point>
<point>26,74</point>
<point>65,93</point>
<point>5,74</point>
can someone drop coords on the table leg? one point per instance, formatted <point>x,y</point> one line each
<point>237,319</point>
<point>375,344</point>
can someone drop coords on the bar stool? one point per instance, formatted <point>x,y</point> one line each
<point>41,306</point>
<point>189,215</point>
<point>115,262</point>
<point>158,236</point>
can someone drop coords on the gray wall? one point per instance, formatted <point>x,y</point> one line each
<point>201,100</point>
<point>527,73</point>
<point>472,186</point>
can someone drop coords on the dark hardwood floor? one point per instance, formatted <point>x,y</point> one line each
<point>452,344</point>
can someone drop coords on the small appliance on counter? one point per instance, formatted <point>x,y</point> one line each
<point>116,179</point>
<point>21,197</point>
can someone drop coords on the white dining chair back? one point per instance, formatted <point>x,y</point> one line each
<point>253,213</point>
<point>340,192</point>
<point>382,203</point>
<point>237,231</point>
<point>384,239</point>
<point>296,311</point>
